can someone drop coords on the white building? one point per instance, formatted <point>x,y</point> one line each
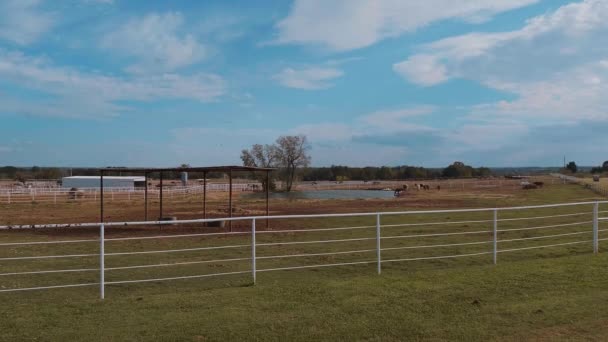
<point>80,182</point>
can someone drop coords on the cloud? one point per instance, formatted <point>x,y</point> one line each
<point>157,42</point>
<point>5,149</point>
<point>393,120</point>
<point>22,22</point>
<point>74,93</point>
<point>422,69</point>
<point>571,36</point>
<point>310,78</point>
<point>556,65</point>
<point>342,25</point>
<point>324,132</point>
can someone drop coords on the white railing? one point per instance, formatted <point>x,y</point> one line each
<point>383,236</point>
<point>589,184</point>
<point>444,184</point>
<point>62,195</point>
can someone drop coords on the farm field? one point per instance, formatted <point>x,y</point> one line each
<point>537,294</point>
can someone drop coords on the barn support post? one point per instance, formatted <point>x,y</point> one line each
<point>204,195</point>
<point>230,198</point>
<point>146,197</point>
<point>161,196</point>
<point>101,195</point>
<point>267,197</point>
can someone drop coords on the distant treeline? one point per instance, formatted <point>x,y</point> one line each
<point>28,173</point>
<point>342,173</point>
<point>332,173</point>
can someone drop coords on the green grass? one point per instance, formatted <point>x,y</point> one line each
<point>548,298</point>
<point>540,293</point>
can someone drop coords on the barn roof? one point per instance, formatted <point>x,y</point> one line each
<point>186,169</point>
<point>133,178</point>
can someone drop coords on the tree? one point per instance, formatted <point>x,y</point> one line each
<point>572,167</point>
<point>605,166</point>
<point>483,172</point>
<point>458,170</point>
<point>261,156</point>
<point>292,153</point>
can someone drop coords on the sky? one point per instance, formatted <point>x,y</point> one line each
<point>370,82</point>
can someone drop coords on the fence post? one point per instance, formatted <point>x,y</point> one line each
<point>102,252</point>
<point>495,242</point>
<point>9,197</point>
<point>596,210</point>
<point>253,266</point>
<point>378,250</point>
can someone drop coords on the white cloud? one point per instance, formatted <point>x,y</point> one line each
<point>22,22</point>
<point>310,78</point>
<point>157,41</point>
<point>553,64</point>
<point>5,149</point>
<point>422,69</point>
<point>324,132</point>
<point>569,37</point>
<point>350,24</point>
<point>391,121</point>
<point>81,94</point>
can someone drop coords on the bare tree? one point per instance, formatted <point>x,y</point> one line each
<point>292,153</point>
<point>261,156</point>
<point>287,154</point>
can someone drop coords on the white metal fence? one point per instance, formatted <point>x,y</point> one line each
<point>358,239</point>
<point>62,195</point>
<point>444,184</point>
<point>593,186</point>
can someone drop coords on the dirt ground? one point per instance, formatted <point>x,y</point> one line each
<point>217,206</point>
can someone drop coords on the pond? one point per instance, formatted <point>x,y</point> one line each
<point>325,194</point>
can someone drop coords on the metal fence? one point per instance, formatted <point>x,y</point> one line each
<point>62,195</point>
<point>593,186</point>
<point>354,239</point>
<point>445,184</point>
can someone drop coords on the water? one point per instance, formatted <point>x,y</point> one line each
<point>325,194</point>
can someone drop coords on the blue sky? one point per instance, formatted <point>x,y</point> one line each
<point>384,82</point>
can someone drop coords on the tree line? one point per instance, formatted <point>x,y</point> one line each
<point>573,168</point>
<point>342,173</point>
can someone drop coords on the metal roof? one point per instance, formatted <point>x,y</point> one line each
<point>186,169</point>
<point>133,178</point>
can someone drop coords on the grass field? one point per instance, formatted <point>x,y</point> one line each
<point>544,294</point>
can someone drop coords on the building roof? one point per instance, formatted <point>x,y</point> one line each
<point>133,178</point>
<point>186,169</point>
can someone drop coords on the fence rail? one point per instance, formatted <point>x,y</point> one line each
<point>386,241</point>
<point>61,195</point>
<point>595,187</point>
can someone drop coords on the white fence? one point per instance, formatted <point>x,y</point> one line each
<point>594,186</point>
<point>364,239</point>
<point>61,195</point>
<point>445,184</point>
